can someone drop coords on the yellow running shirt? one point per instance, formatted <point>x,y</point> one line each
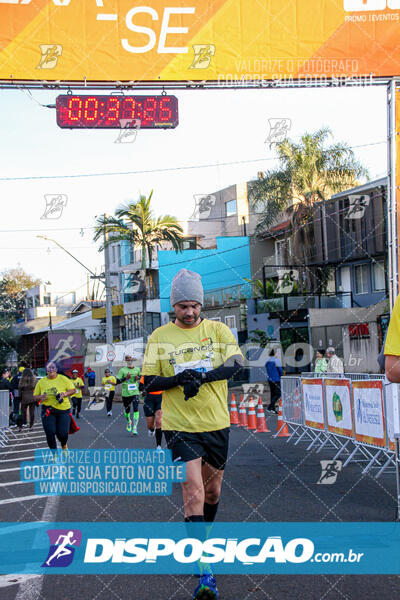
<point>392,344</point>
<point>171,349</point>
<point>51,387</point>
<point>109,383</point>
<point>76,382</point>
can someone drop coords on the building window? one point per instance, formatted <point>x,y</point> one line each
<point>46,300</point>
<point>361,279</point>
<point>231,321</point>
<point>132,327</point>
<point>378,276</point>
<point>189,244</point>
<point>230,208</point>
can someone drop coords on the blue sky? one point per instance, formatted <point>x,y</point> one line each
<point>215,127</point>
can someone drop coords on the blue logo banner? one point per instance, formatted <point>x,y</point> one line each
<point>180,548</point>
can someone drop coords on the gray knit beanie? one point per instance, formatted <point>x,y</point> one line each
<point>186,286</point>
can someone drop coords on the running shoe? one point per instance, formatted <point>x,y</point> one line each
<point>129,426</point>
<point>159,449</point>
<point>134,430</point>
<point>206,588</point>
<point>109,414</point>
<point>151,433</point>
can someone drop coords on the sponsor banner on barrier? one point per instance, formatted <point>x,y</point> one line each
<point>313,394</point>
<point>369,420</point>
<point>180,548</point>
<point>338,407</point>
<point>389,392</point>
<point>292,411</point>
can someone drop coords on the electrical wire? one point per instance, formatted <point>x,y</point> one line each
<point>161,170</point>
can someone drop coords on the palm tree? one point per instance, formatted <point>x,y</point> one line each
<point>135,222</point>
<point>308,172</point>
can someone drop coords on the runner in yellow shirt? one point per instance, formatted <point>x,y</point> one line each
<point>392,345</point>
<point>109,382</point>
<point>190,360</point>
<point>77,397</point>
<point>53,392</point>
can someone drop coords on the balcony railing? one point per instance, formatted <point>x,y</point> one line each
<point>280,303</point>
<point>230,296</point>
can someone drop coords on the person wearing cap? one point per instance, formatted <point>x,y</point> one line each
<point>129,377</point>
<point>14,386</point>
<point>77,397</point>
<point>53,393</point>
<point>335,364</point>
<point>109,382</point>
<point>190,359</point>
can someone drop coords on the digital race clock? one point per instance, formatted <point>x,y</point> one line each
<point>116,112</point>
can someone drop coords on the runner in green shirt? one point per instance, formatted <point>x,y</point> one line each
<point>129,377</point>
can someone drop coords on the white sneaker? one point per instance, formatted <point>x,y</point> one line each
<point>151,433</point>
<point>159,449</point>
<point>109,414</point>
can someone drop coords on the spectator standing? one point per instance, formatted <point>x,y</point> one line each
<point>14,389</point>
<point>321,364</point>
<point>26,386</point>
<point>274,374</point>
<point>91,380</point>
<point>335,364</point>
<point>5,384</point>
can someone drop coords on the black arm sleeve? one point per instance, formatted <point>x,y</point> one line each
<point>119,380</point>
<point>231,367</point>
<point>156,383</point>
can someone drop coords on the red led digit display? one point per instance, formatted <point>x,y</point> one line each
<point>115,112</point>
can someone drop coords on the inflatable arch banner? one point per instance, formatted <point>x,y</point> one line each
<point>197,40</point>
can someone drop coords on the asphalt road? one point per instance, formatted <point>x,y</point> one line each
<point>266,479</point>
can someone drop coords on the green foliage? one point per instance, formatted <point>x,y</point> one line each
<point>13,285</point>
<point>308,172</point>
<point>8,341</point>
<point>135,222</point>
<point>259,337</point>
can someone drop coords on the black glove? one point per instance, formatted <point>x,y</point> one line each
<point>188,376</point>
<point>191,389</point>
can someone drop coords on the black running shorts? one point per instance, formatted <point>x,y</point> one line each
<point>211,446</point>
<point>152,403</point>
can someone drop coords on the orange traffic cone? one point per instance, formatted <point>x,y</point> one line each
<point>252,421</point>
<point>281,427</point>
<point>242,414</point>
<point>261,422</point>
<point>234,412</point>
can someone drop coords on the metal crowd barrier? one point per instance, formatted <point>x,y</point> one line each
<point>341,411</point>
<point>4,417</point>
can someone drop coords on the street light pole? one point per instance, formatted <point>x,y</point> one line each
<point>109,327</point>
<point>106,282</point>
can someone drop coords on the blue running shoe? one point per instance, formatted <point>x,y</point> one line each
<point>206,589</point>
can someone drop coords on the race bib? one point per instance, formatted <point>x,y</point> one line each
<point>203,365</point>
<point>77,391</point>
<point>131,387</point>
<point>108,386</point>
